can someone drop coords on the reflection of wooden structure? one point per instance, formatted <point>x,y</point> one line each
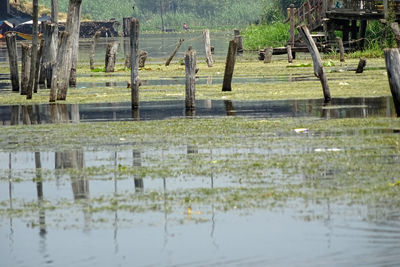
<point>324,17</point>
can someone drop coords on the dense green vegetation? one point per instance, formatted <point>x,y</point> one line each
<point>197,14</point>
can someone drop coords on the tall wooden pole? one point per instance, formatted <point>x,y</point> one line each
<point>206,35</point>
<point>190,68</point>
<point>26,67</point>
<point>178,45</point>
<point>392,59</point>
<point>73,28</point>
<point>341,48</point>
<point>134,40</point>
<point>229,66</point>
<point>54,11</point>
<point>34,55</point>
<point>318,67</point>
<point>11,40</point>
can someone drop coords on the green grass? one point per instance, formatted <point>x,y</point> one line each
<point>260,36</point>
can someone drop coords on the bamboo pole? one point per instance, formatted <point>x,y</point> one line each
<point>190,69</point>
<point>229,66</point>
<point>11,40</point>
<point>206,36</point>
<point>134,41</point>
<point>392,60</point>
<point>318,67</point>
<point>178,45</point>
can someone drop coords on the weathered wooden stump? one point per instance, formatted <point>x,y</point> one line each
<point>178,45</point>
<point>289,53</point>
<point>111,56</point>
<point>361,65</point>
<point>142,58</point>
<point>206,36</point>
<point>37,69</point>
<point>268,55</point>
<point>239,40</point>
<point>190,69</point>
<point>93,48</point>
<point>396,31</point>
<point>26,67</point>
<point>11,40</point>
<point>341,48</point>
<point>392,60</point>
<point>63,67</point>
<point>134,45</point>
<point>49,52</point>
<point>229,66</point>
<point>318,67</point>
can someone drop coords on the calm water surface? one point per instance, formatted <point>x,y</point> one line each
<point>314,232</point>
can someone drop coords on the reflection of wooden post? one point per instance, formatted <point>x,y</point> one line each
<point>93,48</point>
<point>361,65</point>
<point>111,56</point>
<point>289,53</point>
<point>392,60</point>
<point>26,67</point>
<point>175,51</point>
<point>11,39</point>
<point>268,55</point>
<point>190,68</point>
<point>341,48</point>
<point>396,31</point>
<point>134,38</point>
<point>230,66</point>
<point>318,68</point>
<point>206,35</point>
<point>291,20</point>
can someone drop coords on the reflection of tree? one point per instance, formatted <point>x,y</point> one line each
<point>59,113</point>
<point>230,110</point>
<point>137,162</point>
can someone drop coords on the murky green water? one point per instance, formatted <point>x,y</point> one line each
<point>248,183</point>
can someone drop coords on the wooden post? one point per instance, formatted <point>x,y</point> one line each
<point>53,82</point>
<point>34,53</point>
<point>111,56</point>
<point>341,48</point>
<point>178,45</point>
<point>239,40</point>
<point>63,67</point>
<point>142,58</point>
<point>386,9</point>
<point>392,60</point>
<point>318,68</point>
<point>126,26</point>
<point>73,28</point>
<point>289,53</point>
<point>54,11</point>
<point>26,67</point>
<point>190,69</point>
<point>396,31</point>
<point>291,20</point>
<point>93,48</point>
<point>229,66</point>
<point>134,38</point>
<point>49,52</point>
<point>206,35</point>
<point>268,54</point>
<point>39,58</point>
<point>11,39</point>
<point>361,65</point>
